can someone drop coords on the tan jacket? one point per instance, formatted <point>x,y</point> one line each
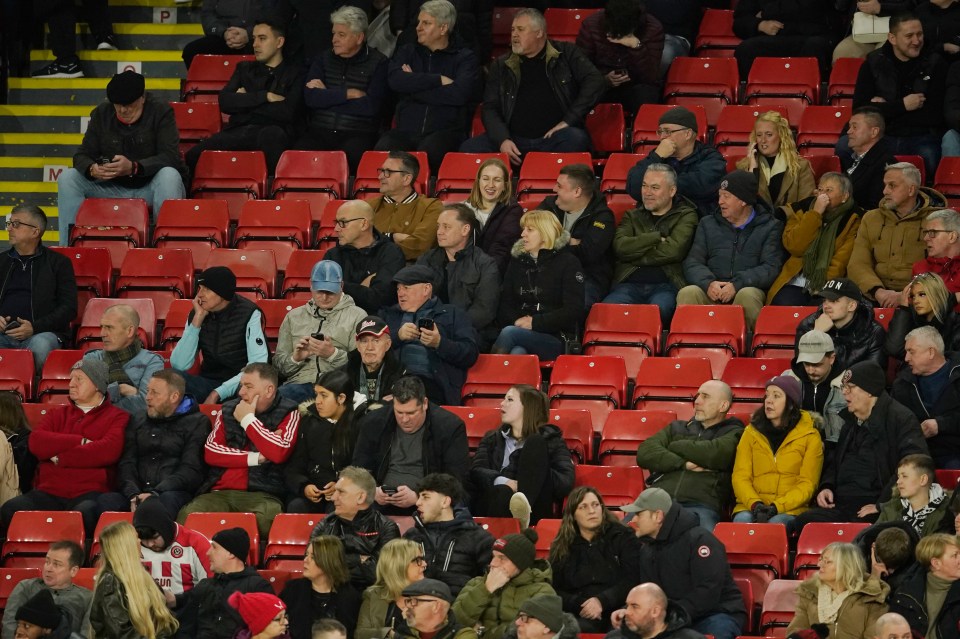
<point>793,188</point>
<point>9,476</point>
<point>416,217</point>
<point>858,614</point>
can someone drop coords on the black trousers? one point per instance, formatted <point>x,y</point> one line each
<point>211,45</point>
<point>353,143</point>
<point>842,513</point>
<point>88,504</point>
<point>270,139</point>
<point>61,16</point>
<point>778,46</point>
<point>533,480</point>
<point>435,144</point>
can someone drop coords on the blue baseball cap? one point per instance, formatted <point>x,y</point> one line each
<point>326,276</point>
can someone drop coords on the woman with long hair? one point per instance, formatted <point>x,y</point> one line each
<point>264,615</point>
<point>17,464</point>
<point>772,155</point>
<point>127,603</point>
<point>324,591</point>
<point>491,200</point>
<point>522,468</point>
<point>328,434</point>
<point>779,458</point>
<point>925,301</point>
<point>841,596</point>
<point>591,558</point>
<point>400,564</point>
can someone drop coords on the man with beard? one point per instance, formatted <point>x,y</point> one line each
<point>819,376</point>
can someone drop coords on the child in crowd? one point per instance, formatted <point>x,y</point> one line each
<point>920,501</point>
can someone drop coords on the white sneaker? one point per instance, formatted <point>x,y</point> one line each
<point>520,508</point>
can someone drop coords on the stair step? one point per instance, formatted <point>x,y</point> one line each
<point>31,169</point>
<point>155,11</point>
<point>43,194</point>
<point>42,119</point>
<point>150,36</point>
<point>40,144</point>
<point>90,91</point>
<point>103,64</point>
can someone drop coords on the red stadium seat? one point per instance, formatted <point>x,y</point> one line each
<point>576,424</point>
<point>607,128</point>
<point>645,137</point>
<point>779,606</point>
<point>949,479</point>
<point>884,316</point>
<point>16,372</point>
<point>821,164</point>
<point>814,538</point>
<point>502,24</point>
<point>947,179</point>
<point>106,518</point>
<point>625,430</point>
<point>196,121</point>
<point>547,530</point>
<point>843,79</point>
<point>55,377</point>
<point>538,174</point>
<point>595,382</point>
<point>757,552</point>
<point>670,383</point>
<point>234,176</point>
<point>748,377</point>
<point>314,176</point>
<point>564,24</point>
<point>367,184</point>
<point>630,331</point>
<point>209,524</point>
<point>117,224</point>
<point>735,125</point>
<point>618,485</point>
<point>613,184</point>
<point>792,82</point>
<point>479,420</point>
<point>36,413</point>
<point>746,591</point>
<point>10,577</point>
<point>279,226</point>
<point>159,274</point>
<point>279,578</point>
<point>716,332</point>
<point>92,269</point>
<point>32,531</point>
<point>776,329</point>
<point>175,322</point>
<point>197,225</point>
<point>274,312</point>
<point>86,578</point>
<point>208,74</point>
<point>288,540</point>
<point>917,161</point>
<point>88,332</point>
<point>256,270</point>
<point>820,128</point>
<point>709,82</point>
<point>498,526</point>
<point>296,279</point>
<point>491,377</point>
<point>212,411</point>
<point>457,173</point>
<point>326,235</point>
<point>715,38</point>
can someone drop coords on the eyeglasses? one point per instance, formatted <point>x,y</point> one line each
<point>420,561</point>
<point>15,224</point>
<point>846,388</point>
<point>413,602</point>
<point>524,617</point>
<point>388,172</point>
<point>342,223</point>
<point>662,131</point>
<point>930,232</point>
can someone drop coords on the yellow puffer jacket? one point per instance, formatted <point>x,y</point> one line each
<point>788,478</point>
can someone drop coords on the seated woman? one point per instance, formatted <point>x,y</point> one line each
<point>16,478</point>
<point>522,468</point>
<point>264,615</point>
<point>929,597</point>
<point>841,596</point>
<point>328,434</point>
<point>400,564</point>
<point>592,558</point>
<point>496,210</point>
<point>541,300</point>
<point>324,592</point>
<point>779,458</point>
<point>818,234</point>
<point>784,176</point>
<point>925,301</point>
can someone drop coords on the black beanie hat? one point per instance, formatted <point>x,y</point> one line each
<point>40,610</point>
<point>681,116</point>
<point>125,87</point>
<point>220,280</point>
<point>236,541</point>
<point>519,548</point>
<point>868,376</point>
<point>547,608</point>
<point>152,514</point>
<point>742,185</point>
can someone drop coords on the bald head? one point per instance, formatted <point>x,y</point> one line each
<point>355,224</point>
<point>653,593</point>
<point>892,626</point>
<point>712,402</point>
<point>356,208</point>
<point>646,610</point>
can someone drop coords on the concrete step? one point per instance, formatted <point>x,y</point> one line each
<point>157,11</point>
<point>39,144</point>
<point>43,119</point>
<point>148,36</point>
<point>43,194</point>
<point>103,64</point>
<point>33,168</point>
<point>80,91</point>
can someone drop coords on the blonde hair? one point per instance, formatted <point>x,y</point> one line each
<point>788,147</point>
<point>547,225</point>
<point>395,556</point>
<point>933,546</point>
<point>937,292</point>
<point>143,600</point>
<point>476,199</point>
<point>850,565</point>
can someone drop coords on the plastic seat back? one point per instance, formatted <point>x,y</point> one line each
<point>607,127</point>
<point>792,82</point>
<point>779,607</point>
<point>711,83</point>
<point>630,331</point>
<point>491,376</point>
<point>279,226</point>
<point>55,376</point>
<point>479,420</point>
<point>10,577</point>
<point>288,540</point>
<point>31,532</point>
<point>175,323</point>
<point>314,176</point>
<point>748,377</point>
<point>498,526</point>
<point>645,137</point>
<point>776,329</point>
<point>715,38</point>
<point>196,121</point>
<point>296,278</point>
<point>821,164</point>
<point>458,171</point>
<point>106,518</point>
<point>208,74</point>
<point>670,383</point>
<point>843,80</point>
<point>92,269</point>
<point>618,485</point>
<point>117,224</point>
<point>159,274</point>
<point>234,176</point>
<point>196,225</point>
<point>564,24</point>
<point>757,552</point>
<point>547,530</point>
<point>814,538</point>
<point>947,179</point>
<point>820,127</point>
<point>625,430</point>
<point>613,184</point>
<point>502,25</point>
<point>274,312</point>
<point>716,332</point>
<point>538,174</point>
<point>576,424</point>
<point>17,372</point>
<point>594,382</point>
<point>256,270</point>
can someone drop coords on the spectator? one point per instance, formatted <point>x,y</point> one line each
<point>541,617</point>
<point>437,81</point>
<point>126,602</point>
<point>592,559</point>
<point>264,615</point>
<point>650,614</point>
<point>129,150</point>
<point>233,337</point>
<point>498,214</point>
<point>919,501</point>
<point>687,562</point>
<point>515,576</point>
<point>434,341</point>
<point>869,154</point>
<point>427,604</point>
<point>889,240</point>
<point>736,252</point>
<point>346,90</point>
<point>455,547</point>
<point>405,217</point>
<point>328,434</point>
<point>162,450</point>
<point>227,29</point>
<point>473,28</point>
<point>848,319</point>
<point>899,79</point>
<point>468,278</point>
<point>368,259</point>
<point>206,613</point>
<point>373,367</point>
<point>307,18</point>
<point>63,560</point>
<point>131,365</point>
<point>859,475</point>
<point>924,302</point>
<point>699,167</point>
<point>176,557</point>
<point>78,446</point>
<point>251,440</point>
<point>692,459</point>
<point>772,156</point>
<point>819,235</point>
<point>889,549</point>
<point>929,385</point>
<point>650,244</point>
<point>329,629</point>
<point>538,96</point>
<point>851,48</point>
<point>38,297</point>
<point>541,300</point>
<point>262,99</point>
<point>681,21</point>
<point>363,530</point>
<point>523,468</point>
<point>40,617</point>
<point>15,429</point>
<point>625,43</point>
<point>892,626</point>
<point>779,458</point>
<point>61,19</point>
<point>584,214</point>
<point>780,28</point>
<point>941,234</point>
<point>324,591</point>
<point>401,564</point>
<point>930,597</point>
<point>815,366</point>
<point>316,337</point>
<point>840,595</point>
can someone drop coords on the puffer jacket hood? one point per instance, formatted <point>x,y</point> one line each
<point>562,241</point>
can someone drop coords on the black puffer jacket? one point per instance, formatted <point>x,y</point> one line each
<point>946,411</point>
<point>906,319</point>
<point>206,613</point>
<point>594,229</point>
<point>457,550</point>
<point>859,341</point>
<point>474,23</point>
<point>314,459</point>
<point>909,600</point>
<point>488,460</point>
<point>252,106</point>
<point>54,291</point>
<point>799,17</point>
<point>500,233</point>
<point>366,536</point>
<point>382,259</point>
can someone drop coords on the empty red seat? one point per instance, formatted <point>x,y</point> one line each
<point>711,83</point>
<point>479,420</point>
<point>949,479</point>
<point>197,225</point>
<point>630,331</point>
<point>208,74</point>
<point>715,38</point>
<point>314,176</point>
<point>367,183</point>
<point>196,121</point>
<point>792,82</point>
<point>843,80</point>
<point>820,128</point>
<point>821,164</point>
<point>576,424</point>
<point>776,330</point>
<point>489,379</point>
<point>538,174</point>
<point>159,274</point>
<point>174,323</point>
<point>757,552</point>
<point>564,24</point>
<point>618,485</point>
<point>280,226</point>
<point>625,430</point>
<point>748,377</point>
<point>716,332</point>
<point>547,530</point>
<point>814,538</point>
<point>55,377</point>
<point>596,383</point>
<point>645,137</point>
<point>779,606</point>
<point>296,279</point>
<point>10,577</point>
<point>92,269</point>
<point>117,224</point>
<point>288,540</point>
<point>498,526</point>
<point>607,127</point>
<point>256,270</point>
<point>234,176</point>
<point>31,532</point>
<point>88,332</point>
<point>16,372</point>
<point>458,171</point>
<point>106,518</point>
<point>613,184</point>
<point>670,383</point>
<point>274,312</point>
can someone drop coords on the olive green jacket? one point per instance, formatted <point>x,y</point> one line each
<point>496,611</point>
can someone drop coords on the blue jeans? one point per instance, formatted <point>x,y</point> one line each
<point>200,387</point>
<point>720,625</point>
<point>950,145</point>
<point>663,295</point>
<point>40,344</point>
<point>522,341</point>
<point>569,140</point>
<point>709,518</point>
<point>297,392</point>
<point>746,517</point>
<point>73,188</point>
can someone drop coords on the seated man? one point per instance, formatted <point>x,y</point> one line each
<point>815,366</point>
<point>699,167</point>
<point>848,319</point>
<point>889,242</point>
<point>262,98</point>
<point>583,212</point>
<point>227,329</point>
<point>227,30</point>
<point>78,446</point>
<point>434,341</point>
<point>316,337</point>
<point>428,613</point>
<point>736,253</point>
<point>537,96</point>
<point>64,559</point>
<point>941,234</point>
<point>692,460</point>
<point>869,154</point>
<point>920,501</point>
<point>455,547</point>
<point>252,438</point>
<point>651,243</point>
<point>892,626</point>
<point>468,278</point>
<point>131,365</point>
<point>412,439</point>
<point>542,617</point>
<point>373,366</point>
<point>363,530</point>
<point>929,385</point>
<point>405,217</point>
<point>437,82</point>
<point>930,595</point>
<point>39,297</point>
<point>131,148</point>
<point>650,614</point>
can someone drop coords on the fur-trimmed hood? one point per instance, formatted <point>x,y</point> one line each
<point>562,242</point>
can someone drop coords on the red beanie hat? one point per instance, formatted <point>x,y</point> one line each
<point>258,609</point>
